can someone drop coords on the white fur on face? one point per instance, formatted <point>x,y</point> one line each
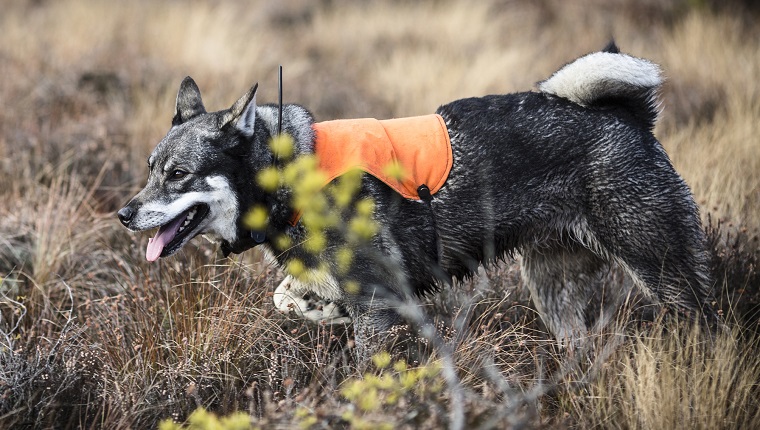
<point>224,209</point>
<point>221,220</point>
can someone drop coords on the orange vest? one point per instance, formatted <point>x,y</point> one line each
<point>420,146</point>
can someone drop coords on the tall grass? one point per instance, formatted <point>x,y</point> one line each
<point>92,336</point>
<point>670,378</point>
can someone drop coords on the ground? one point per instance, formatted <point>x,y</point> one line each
<point>94,336</point>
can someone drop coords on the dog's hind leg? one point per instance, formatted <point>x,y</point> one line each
<point>672,272</point>
<point>660,242</point>
<point>563,277</point>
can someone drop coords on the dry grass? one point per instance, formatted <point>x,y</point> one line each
<point>674,380</point>
<point>93,336</point>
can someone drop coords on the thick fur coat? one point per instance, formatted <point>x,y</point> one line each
<point>569,176</point>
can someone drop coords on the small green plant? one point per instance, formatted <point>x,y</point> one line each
<point>394,385</point>
<point>201,419</point>
<point>320,207</point>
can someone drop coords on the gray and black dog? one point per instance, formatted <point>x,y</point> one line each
<point>570,176</point>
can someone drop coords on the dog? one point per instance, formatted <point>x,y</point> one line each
<point>570,176</point>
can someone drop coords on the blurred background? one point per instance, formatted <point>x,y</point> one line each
<point>87,89</point>
<point>88,86</point>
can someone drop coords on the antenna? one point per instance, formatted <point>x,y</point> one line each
<point>279,113</point>
<point>257,235</point>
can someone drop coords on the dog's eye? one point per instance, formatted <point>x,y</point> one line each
<point>177,174</point>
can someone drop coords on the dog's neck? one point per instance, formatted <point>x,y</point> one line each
<point>296,122</point>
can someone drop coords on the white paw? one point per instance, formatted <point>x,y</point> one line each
<point>290,296</point>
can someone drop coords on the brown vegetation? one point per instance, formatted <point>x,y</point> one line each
<point>93,336</point>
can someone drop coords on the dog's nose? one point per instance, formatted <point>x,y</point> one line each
<point>126,214</point>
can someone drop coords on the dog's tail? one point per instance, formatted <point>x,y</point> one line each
<point>610,78</point>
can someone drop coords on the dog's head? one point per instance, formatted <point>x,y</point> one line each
<point>196,173</point>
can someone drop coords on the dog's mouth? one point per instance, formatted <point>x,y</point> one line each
<point>174,234</point>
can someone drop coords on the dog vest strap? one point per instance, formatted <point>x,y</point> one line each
<point>427,198</point>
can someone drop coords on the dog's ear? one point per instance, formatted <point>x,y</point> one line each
<point>189,103</point>
<point>242,115</point>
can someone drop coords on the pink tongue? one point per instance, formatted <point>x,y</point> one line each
<point>165,235</point>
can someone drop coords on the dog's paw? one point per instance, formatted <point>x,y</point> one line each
<point>290,296</point>
<point>330,313</point>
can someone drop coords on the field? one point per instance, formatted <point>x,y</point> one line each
<point>94,336</point>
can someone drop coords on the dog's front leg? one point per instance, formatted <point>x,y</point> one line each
<point>373,318</point>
